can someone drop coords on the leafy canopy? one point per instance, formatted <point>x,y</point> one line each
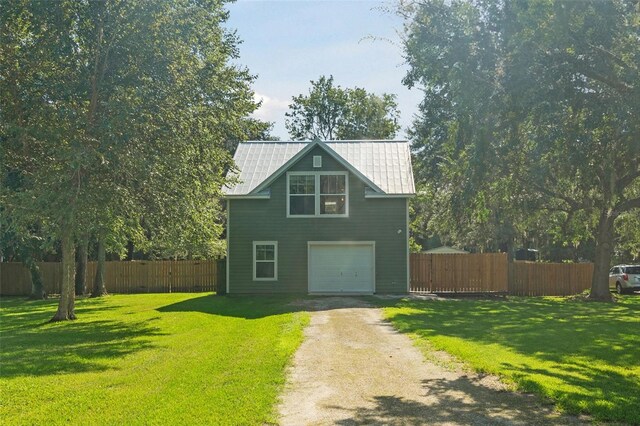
<point>331,112</point>
<point>530,107</point>
<point>117,116</point>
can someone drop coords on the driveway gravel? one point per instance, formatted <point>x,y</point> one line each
<point>354,369</point>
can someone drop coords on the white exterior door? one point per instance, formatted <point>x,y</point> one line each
<point>341,267</point>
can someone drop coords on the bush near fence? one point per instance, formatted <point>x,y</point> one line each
<point>164,276</point>
<point>493,273</point>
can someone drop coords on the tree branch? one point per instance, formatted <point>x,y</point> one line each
<point>574,204</point>
<point>579,39</point>
<point>627,179</point>
<point>587,71</point>
<point>624,206</point>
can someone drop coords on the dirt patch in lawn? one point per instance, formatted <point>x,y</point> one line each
<point>355,369</point>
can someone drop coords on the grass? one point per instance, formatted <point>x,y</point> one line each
<point>583,356</point>
<point>146,359</point>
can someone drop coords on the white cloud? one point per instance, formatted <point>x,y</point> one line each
<point>272,108</point>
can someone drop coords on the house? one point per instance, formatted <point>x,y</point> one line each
<point>319,217</point>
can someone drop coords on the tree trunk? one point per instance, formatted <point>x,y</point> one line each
<point>604,247</point>
<point>99,288</point>
<point>37,287</point>
<point>66,305</point>
<point>81,267</point>
<point>130,249</point>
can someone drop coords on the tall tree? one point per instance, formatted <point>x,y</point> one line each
<point>117,112</point>
<point>331,112</point>
<point>542,96</point>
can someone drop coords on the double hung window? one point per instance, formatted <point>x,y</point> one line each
<point>302,195</point>
<point>265,260</point>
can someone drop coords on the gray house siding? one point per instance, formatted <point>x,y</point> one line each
<point>369,219</point>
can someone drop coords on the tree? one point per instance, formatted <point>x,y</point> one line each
<point>628,230</point>
<point>331,112</point>
<point>116,113</point>
<point>368,116</point>
<point>537,96</point>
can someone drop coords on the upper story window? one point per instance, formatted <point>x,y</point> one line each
<point>323,194</point>
<point>302,198</point>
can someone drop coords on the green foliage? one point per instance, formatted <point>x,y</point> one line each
<point>628,244</point>
<point>331,112</point>
<point>581,355</point>
<point>116,118</point>
<point>368,116</point>
<point>147,359</point>
<point>529,130</point>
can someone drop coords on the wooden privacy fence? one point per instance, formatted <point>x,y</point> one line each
<point>163,276</point>
<point>549,279</point>
<point>492,272</point>
<point>434,273</point>
<point>15,279</point>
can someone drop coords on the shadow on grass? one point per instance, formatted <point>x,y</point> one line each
<point>31,347</point>
<point>232,306</point>
<point>260,306</point>
<point>21,313</point>
<point>587,346</point>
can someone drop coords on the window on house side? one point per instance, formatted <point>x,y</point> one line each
<point>265,260</point>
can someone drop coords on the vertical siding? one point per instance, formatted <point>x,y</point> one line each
<point>265,220</point>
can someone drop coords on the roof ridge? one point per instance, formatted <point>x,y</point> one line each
<point>334,141</point>
<point>275,142</point>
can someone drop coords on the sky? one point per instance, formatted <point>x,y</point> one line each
<point>286,44</point>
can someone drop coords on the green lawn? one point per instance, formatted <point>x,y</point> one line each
<point>146,359</point>
<point>585,356</point>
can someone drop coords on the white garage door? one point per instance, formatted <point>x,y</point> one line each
<point>341,268</point>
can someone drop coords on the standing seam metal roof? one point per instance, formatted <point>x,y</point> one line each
<point>386,163</point>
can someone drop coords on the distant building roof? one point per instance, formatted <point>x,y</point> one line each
<point>446,250</point>
<point>384,165</point>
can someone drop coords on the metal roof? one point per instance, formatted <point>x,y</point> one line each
<point>385,164</point>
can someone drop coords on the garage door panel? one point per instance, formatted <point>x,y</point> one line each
<point>341,268</point>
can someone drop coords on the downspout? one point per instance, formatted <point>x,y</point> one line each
<point>228,231</point>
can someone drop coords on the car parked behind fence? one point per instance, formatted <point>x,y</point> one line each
<point>625,278</point>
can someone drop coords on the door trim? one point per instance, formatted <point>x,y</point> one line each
<point>372,244</point>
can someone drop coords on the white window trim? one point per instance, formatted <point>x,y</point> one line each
<point>275,260</point>
<point>317,194</point>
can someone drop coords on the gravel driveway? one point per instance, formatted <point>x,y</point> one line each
<point>354,369</point>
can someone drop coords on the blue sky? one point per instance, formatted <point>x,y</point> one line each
<point>288,43</point>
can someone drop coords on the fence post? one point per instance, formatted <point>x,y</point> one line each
<point>221,279</point>
<point>430,263</point>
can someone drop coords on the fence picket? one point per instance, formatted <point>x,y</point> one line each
<point>459,272</point>
<point>486,272</point>
<point>120,276</point>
